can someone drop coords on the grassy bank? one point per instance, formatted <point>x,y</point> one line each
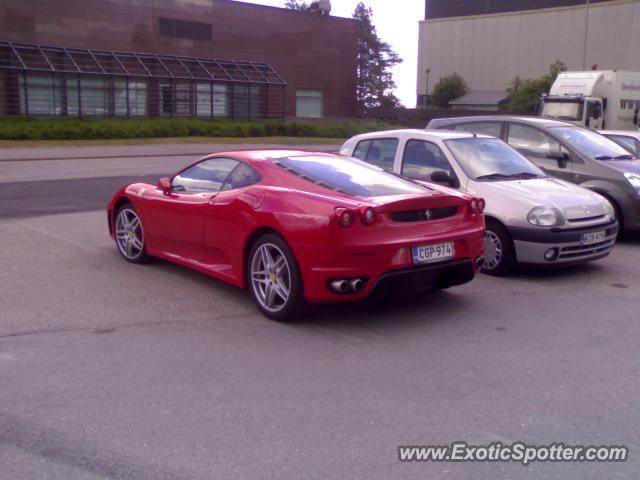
<point>172,141</point>
<point>21,128</point>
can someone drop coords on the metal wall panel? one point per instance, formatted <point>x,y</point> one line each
<point>461,8</point>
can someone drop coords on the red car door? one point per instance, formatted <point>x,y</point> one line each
<point>174,220</point>
<point>228,218</point>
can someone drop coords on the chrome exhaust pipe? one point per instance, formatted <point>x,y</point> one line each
<point>340,286</point>
<point>356,284</point>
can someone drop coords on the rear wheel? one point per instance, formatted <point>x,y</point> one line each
<point>130,235</point>
<point>274,278</point>
<point>499,253</point>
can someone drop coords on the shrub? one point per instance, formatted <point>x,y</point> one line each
<point>448,88</point>
<point>524,95</point>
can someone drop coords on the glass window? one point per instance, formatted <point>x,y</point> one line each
<point>220,101</point>
<point>166,99</point>
<point>631,144</point>
<point>349,176</point>
<point>380,152</point>
<point>41,95</point>
<point>203,100</point>
<point>485,128</point>
<point>361,149</point>
<point>242,176</point>
<point>245,101</point>
<point>137,97</point>
<point>531,141</point>
<point>182,99</point>
<point>94,99</point>
<point>491,159</point>
<point>562,110</point>
<point>310,103</point>
<point>421,159</point>
<point>591,143</point>
<point>206,176</point>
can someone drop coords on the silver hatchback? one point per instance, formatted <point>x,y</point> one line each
<point>531,218</point>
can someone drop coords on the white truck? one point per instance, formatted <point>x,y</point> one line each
<point>607,99</point>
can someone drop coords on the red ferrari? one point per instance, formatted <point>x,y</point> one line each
<point>294,226</point>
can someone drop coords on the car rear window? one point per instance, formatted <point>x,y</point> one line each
<point>350,176</point>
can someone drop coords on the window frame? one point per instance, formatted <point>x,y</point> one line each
<point>617,137</point>
<point>188,167</point>
<point>240,164</point>
<point>535,154</point>
<point>455,177</point>
<point>322,98</point>
<point>372,140</point>
<point>501,124</point>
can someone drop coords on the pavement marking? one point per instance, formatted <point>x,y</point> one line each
<point>56,236</point>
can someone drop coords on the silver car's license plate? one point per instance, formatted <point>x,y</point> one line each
<point>432,253</point>
<point>593,237</point>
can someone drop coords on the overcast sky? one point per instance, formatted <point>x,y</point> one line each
<point>397,24</point>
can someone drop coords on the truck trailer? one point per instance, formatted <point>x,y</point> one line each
<point>606,99</point>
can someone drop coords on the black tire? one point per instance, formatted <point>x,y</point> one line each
<point>282,310</point>
<point>497,235</point>
<point>140,255</point>
<point>619,216</point>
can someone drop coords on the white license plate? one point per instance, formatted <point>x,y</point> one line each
<point>592,237</point>
<point>432,253</point>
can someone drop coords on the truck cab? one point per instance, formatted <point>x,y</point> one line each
<point>599,100</point>
<point>576,109</point>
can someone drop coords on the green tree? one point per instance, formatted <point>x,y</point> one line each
<point>299,5</point>
<point>448,88</point>
<point>376,59</point>
<point>524,95</point>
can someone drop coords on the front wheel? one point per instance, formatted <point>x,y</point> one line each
<point>130,235</point>
<point>499,253</point>
<point>274,278</point>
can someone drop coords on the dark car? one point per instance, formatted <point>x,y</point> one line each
<point>569,152</point>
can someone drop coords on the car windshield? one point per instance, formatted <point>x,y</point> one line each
<point>491,159</point>
<point>350,176</point>
<point>592,143</point>
<point>562,110</point>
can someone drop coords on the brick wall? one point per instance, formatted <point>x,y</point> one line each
<point>310,51</point>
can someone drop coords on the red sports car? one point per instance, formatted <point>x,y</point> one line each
<point>294,226</point>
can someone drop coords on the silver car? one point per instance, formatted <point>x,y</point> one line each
<point>531,218</point>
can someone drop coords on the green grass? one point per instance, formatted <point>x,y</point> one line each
<point>171,140</point>
<point>28,128</point>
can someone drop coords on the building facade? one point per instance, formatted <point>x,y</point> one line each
<point>201,58</point>
<point>490,42</point>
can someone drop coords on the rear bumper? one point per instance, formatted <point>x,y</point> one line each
<point>386,266</point>
<point>421,279</point>
<point>531,245</point>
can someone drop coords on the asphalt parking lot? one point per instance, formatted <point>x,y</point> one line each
<point>113,370</point>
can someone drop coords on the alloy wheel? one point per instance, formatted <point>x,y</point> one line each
<point>129,234</point>
<point>271,277</point>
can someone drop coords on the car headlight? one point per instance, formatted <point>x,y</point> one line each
<point>546,216</point>
<point>610,210</point>
<point>634,180</point>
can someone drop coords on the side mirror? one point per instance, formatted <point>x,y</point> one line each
<point>560,157</point>
<point>440,176</point>
<point>164,184</point>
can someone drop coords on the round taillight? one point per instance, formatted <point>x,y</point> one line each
<point>474,206</point>
<point>367,215</point>
<point>481,205</point>
<point>345,216</point>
